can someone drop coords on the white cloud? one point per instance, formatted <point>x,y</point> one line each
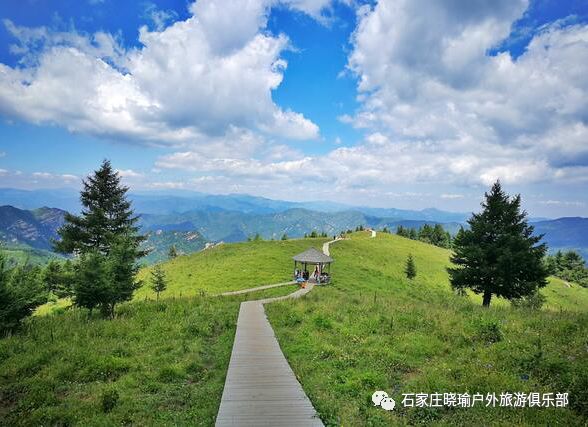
<point>562,203</point>
<point>426,82</point>
<point>193,79</point>
<point>452,196</point>
<point>129,173</point>
<point>56,177</point>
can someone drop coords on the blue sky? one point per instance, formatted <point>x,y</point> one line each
<point>393,103</point>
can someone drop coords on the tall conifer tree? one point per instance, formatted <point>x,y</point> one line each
<point>106,216</point>
<point>498,254</point>
<point>107,239</point>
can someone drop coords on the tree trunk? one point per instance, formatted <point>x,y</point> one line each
<point>486,299</point>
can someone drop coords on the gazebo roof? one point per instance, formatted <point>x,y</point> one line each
<point>313,256</point>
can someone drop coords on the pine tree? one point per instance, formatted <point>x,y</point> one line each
<point>59,278</point>
<point>21,291</point>
<point>425,234</point>
<point>91,286</point>
<point>412,234</point>
<point>158,280</point>
<point>498,255</point>
<point>410,267</point>
<point>106,216</point>
<point>107,239</point>
<point>121,271</point>
<point>172,252</point>
<point>284,236</point>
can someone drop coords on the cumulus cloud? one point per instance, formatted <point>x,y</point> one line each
<point>189,80</point>
<point>67,178</point>
<point>426,81</point>
<point>129,173</point>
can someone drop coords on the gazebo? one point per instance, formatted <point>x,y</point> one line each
<point>316,258</point>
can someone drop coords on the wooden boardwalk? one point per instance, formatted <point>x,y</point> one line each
<point>261,388</point>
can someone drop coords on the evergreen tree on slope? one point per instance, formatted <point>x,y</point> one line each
<point>498,255</point>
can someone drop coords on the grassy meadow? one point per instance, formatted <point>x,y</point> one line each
<point>373,329</point>
<point>164,363</point>
<point>230,267</point>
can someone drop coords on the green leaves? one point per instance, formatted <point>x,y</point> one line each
<point>21,291</point>
<point>410,267</point>
<point>158,280</point>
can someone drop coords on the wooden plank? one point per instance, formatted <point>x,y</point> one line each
<point>260,388</point>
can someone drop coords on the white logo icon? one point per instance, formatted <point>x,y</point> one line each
<point>378,396</point>
<point>388,403</point>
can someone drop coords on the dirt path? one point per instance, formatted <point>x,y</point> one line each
<point>259,288</point>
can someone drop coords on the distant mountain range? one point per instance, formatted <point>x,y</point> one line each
<point>35,228</point>
<point>230,226</point>
<point>565,233</point>
<point>190,220</point>
<point>29,234</point>
<point>185,201</point>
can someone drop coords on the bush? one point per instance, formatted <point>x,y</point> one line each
<point>21,291</point>
<point>532,302</point>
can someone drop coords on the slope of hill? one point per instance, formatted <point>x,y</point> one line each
<point>17,254</point>
<point>376,330</point>
<point>35,228</point>
<point>371,329</point>
<point>159,242</point>
<point>230,267</point>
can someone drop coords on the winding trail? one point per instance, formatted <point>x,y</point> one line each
<point>261,388</point>
<point>258,288</point>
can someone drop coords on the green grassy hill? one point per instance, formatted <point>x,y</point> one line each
<point>376,330</point>
<point>230,267</point>
<point>19,254</point>
<point>371,329</point>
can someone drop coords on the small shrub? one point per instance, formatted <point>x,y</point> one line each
<point>532,302</point>
<point>109,400</point>
<point>410,267</point>
<point>489,332</point>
